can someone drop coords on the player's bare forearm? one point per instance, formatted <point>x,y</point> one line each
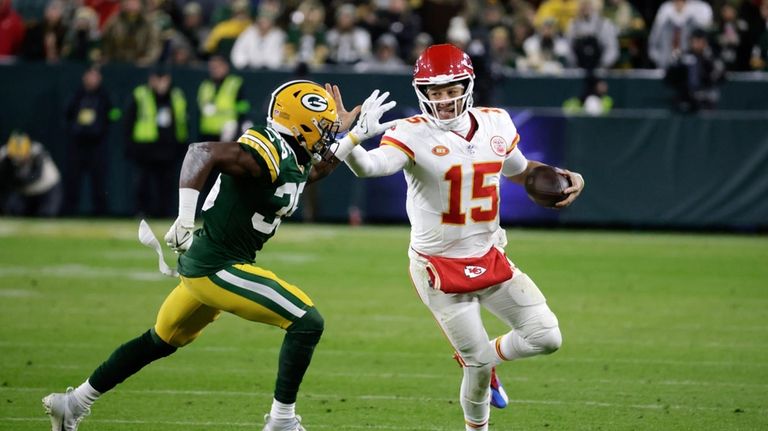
<point>227,157</point>
<point>323,168</point>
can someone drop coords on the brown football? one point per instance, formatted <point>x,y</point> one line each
<point>545,186</point>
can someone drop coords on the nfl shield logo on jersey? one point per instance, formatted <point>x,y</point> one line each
<point>472,271</point>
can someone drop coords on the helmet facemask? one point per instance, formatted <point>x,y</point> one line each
<point>321,149</point>
<point>461,104</point>
<point>444,65</point>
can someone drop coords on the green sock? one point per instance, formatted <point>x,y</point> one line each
<point>296,353</point>
<point>128,359</point>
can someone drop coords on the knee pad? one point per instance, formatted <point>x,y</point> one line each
<point>160,347</point>
<point>548,340</point>
<point>310,323</point>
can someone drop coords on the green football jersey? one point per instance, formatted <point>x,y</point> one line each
<point>240,214</point>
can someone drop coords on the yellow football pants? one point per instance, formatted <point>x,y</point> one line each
<point>245,290</point>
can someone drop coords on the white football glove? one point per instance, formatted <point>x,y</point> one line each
<point>368,125</point>
<point>179,236</point>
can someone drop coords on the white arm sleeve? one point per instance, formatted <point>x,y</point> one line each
<point>514,164</point>
<point>379,162</point>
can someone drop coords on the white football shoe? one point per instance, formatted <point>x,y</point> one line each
<point>292,424</point>
<point>64,410</point>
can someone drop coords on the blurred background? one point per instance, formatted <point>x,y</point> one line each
<point>661,105</point>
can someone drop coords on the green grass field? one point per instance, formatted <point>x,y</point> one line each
<point>661,332</point>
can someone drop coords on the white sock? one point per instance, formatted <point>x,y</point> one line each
<point>511,346</point>
<point>85,394</point>
<point>476,427</point>
<point>282,410</point>
<point>475,398</point>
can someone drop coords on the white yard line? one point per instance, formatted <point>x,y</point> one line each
<point>81,271</point>
<point>252,425</point>
<point>395,398</point>
<point>426,376</point>
<point>347,353</point>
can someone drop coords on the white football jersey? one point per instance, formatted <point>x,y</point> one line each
<point>453,182</point>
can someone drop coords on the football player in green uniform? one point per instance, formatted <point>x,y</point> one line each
<point>262,176</point>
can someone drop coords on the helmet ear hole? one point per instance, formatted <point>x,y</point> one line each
<point>305,128</point>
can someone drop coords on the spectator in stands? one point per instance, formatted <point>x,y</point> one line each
<point>592,39</point>
<point>221,101</point>
<point>193,27</point>
<point>423,40</point>
<point>672,28</point>
<point>385,58</point>
<point>436,16</point>
<point>500,48</point>
<point>181,52</point>
<point>160,13</point>
<point>261,45</point>
<point>30,184</point>
<point>347,42</point>
<point>156,137</point>
<point>561,11</point>
<point>759,60</point>
<point>82,41</point>
<point>11,30</point>
<point>44,39</point>
<point>394,17</point>
<point>306,35</point>
<point>130,37</point>
<point>105,9</point>
<point>484,20</point>
<point>223,35</point>
<point>87,117</point>
<point>522,29</point>
<point>545,51</point>
<point>733,45</point>
<point>696,75</point>
<point>630,26</point>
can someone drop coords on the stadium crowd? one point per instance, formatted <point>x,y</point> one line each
<point>692,41</point>
<point>535,35</point>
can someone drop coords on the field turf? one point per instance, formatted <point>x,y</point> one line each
<point>661,332</point>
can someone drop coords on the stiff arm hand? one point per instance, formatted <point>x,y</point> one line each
<point>368,125</point>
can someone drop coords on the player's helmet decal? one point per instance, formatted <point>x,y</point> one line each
<point>313,102</point>
<point>306,111</point>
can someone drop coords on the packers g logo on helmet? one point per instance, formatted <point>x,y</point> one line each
<point>313,102</point>
<point>304,110</point>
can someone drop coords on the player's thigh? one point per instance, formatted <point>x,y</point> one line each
<point>182,317</point>
<point>458,316</point>
<point>252,293</point>
<point>520,304</point>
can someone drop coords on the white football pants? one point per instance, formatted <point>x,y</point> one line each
<point>518,302</point>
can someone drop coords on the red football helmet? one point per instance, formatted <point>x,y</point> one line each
<point>441,65</point>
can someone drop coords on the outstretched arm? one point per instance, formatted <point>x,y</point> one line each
<point>367,126</point>
<point>379,162</point>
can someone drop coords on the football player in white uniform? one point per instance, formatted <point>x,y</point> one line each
<point>453,157</point>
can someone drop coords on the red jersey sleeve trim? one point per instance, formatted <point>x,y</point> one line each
<point>388,140</point>
<point>513,145</point>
